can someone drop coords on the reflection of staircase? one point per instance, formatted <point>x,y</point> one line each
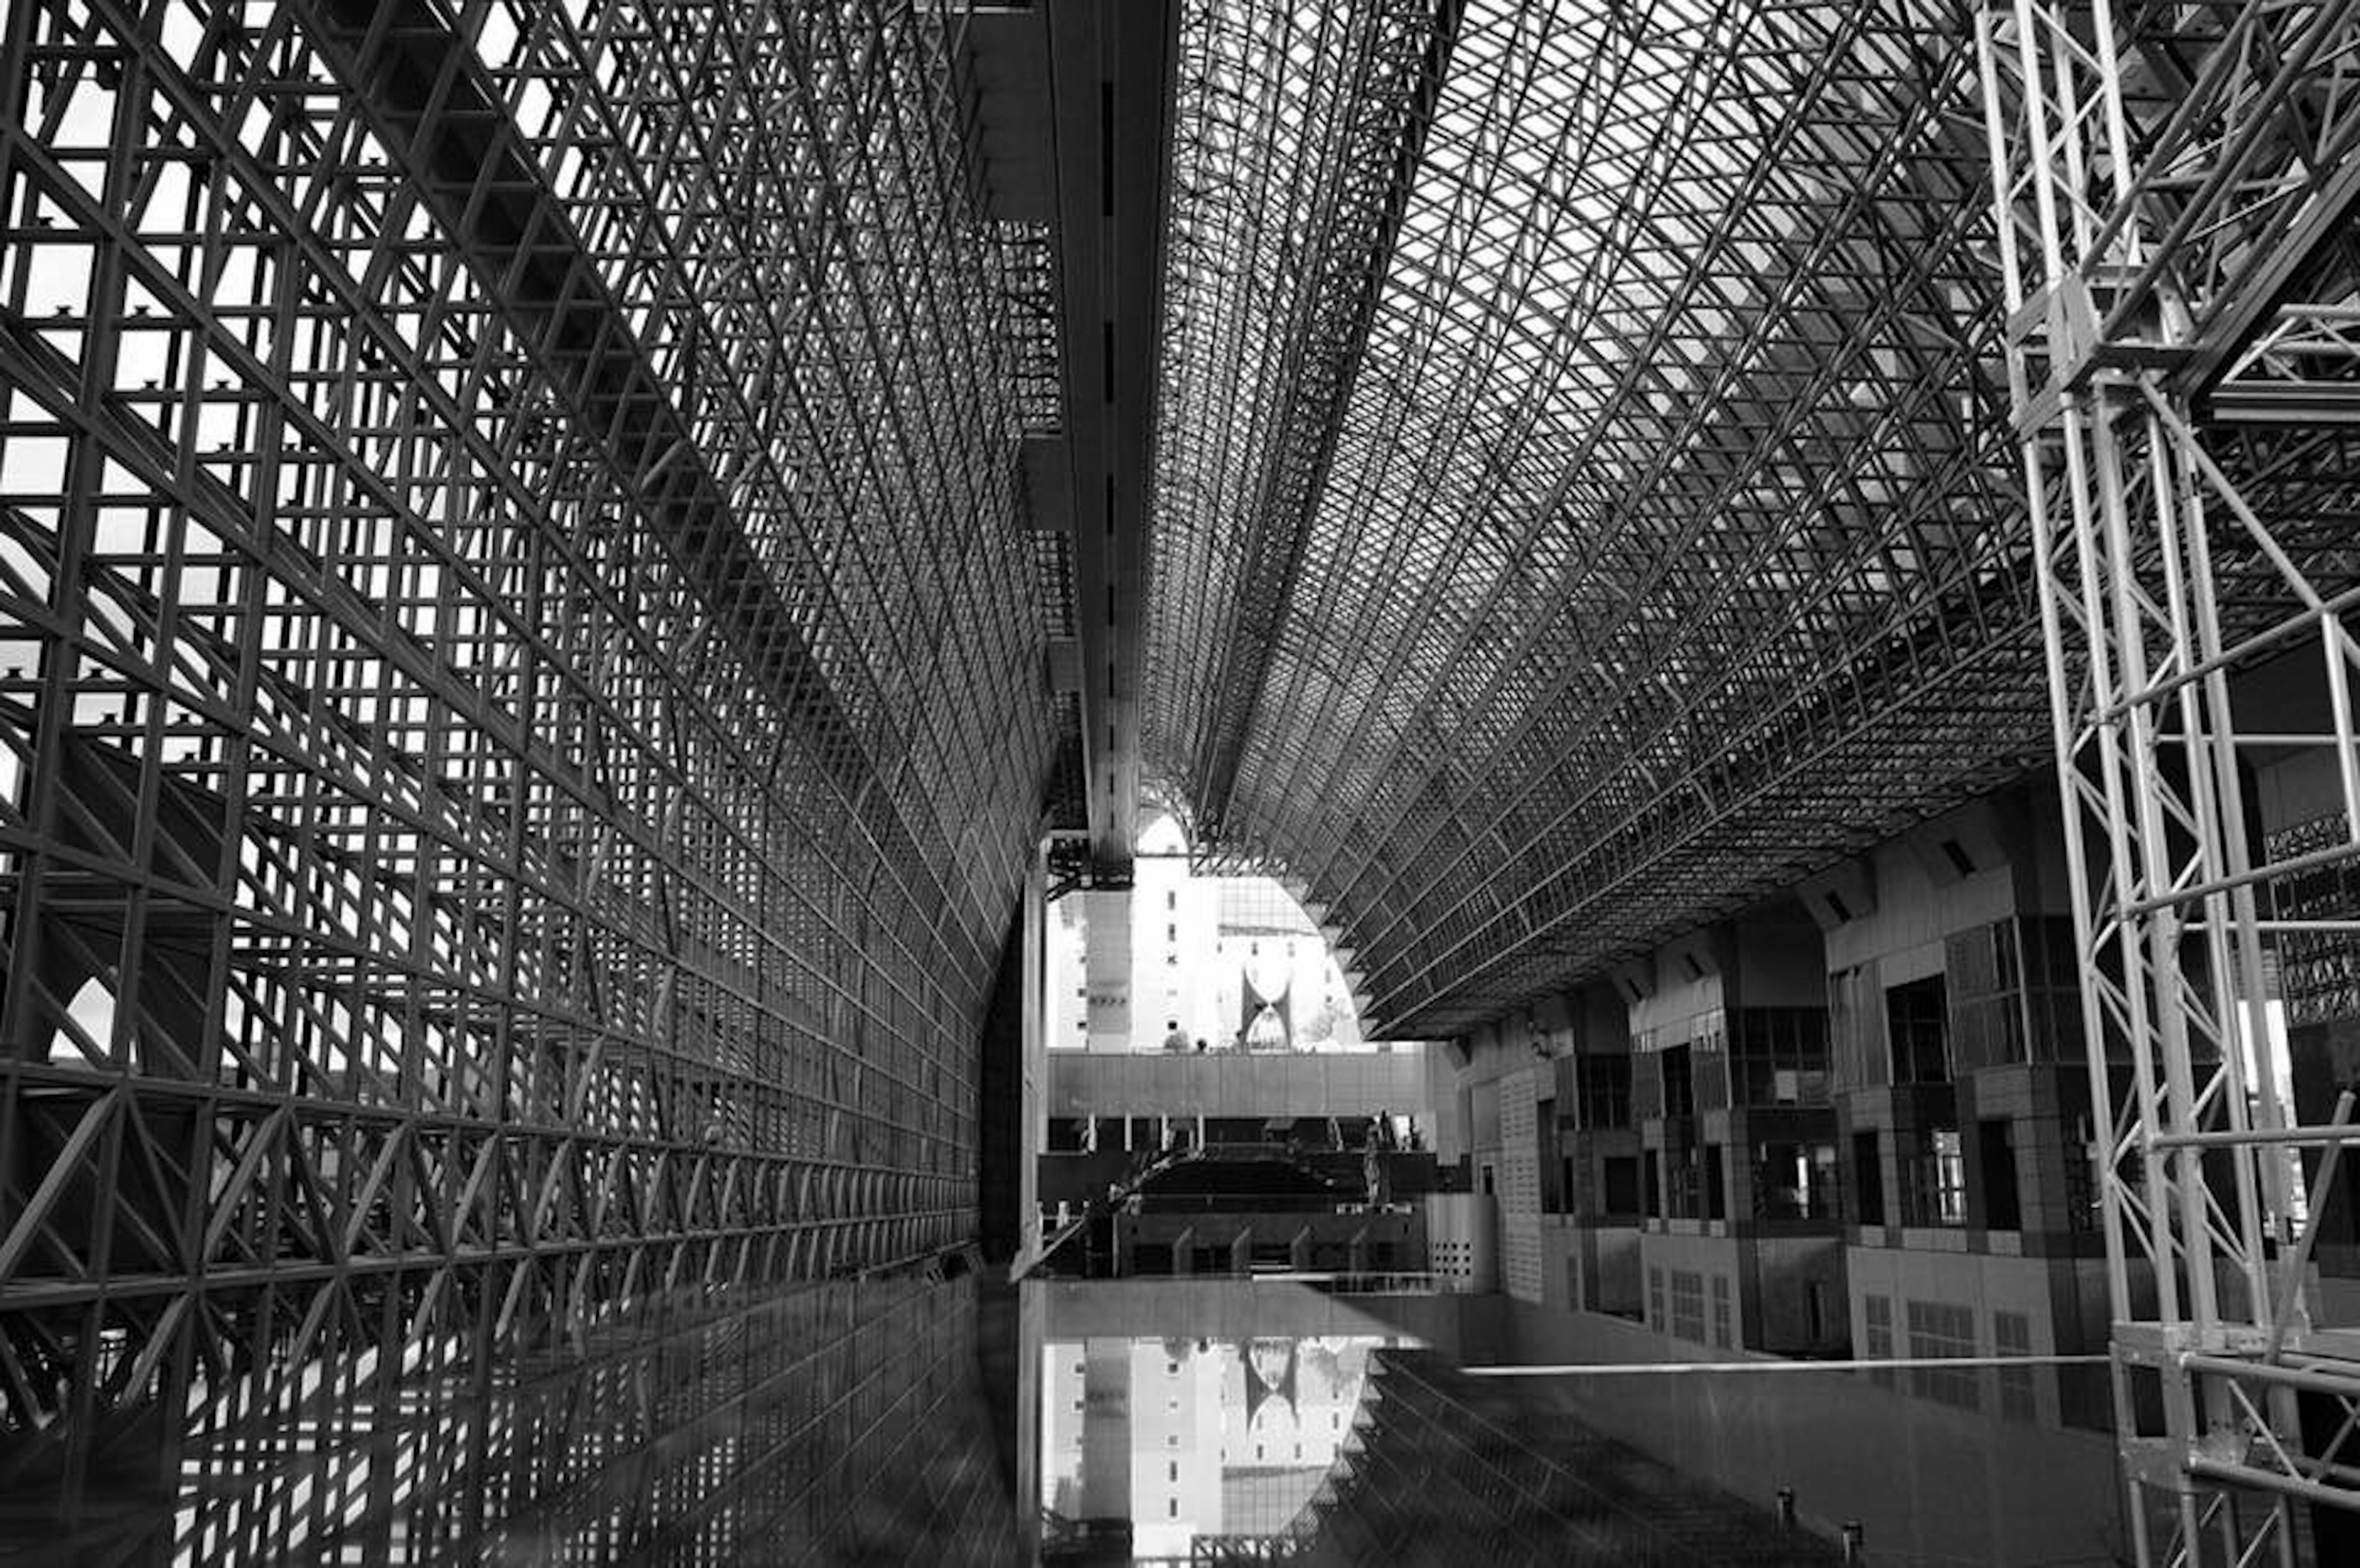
<point>1443,1469</point>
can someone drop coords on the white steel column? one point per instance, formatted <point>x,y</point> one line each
<point>2118,283</point>
<point>1035,1106</point>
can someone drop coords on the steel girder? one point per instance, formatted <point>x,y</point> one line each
<point>519,716</point>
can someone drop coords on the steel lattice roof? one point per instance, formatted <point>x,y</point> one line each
<point>1669,542</point>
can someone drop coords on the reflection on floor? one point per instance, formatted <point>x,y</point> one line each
<point>1211,1422</point>
<point>835,1423</point>
<point>1447,1470</point>
<point>1196,1437</point>
<point>905,1422</point>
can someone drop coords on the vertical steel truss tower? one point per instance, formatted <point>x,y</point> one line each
<point>2164,182</point>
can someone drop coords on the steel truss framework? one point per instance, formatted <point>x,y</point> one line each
<point>2172,191</point>
<point>1664,546</point>
<point>521,728</point>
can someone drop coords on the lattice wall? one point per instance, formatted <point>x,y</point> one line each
<point>519,705</point>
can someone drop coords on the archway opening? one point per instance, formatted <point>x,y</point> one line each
<point>1189,959</point>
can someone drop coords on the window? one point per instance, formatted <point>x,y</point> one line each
<point>1655,1299</point>
<point>1603,1093</point>
<point>1779,1056</point>
<point>1917,1021</point>
<point>1949,1177</point>
<point>1867,1178</point>
<point>1794,1180</point>
<point>1720,1325</point>
<point>1679,1082</point>
<point>1939,1329</point>
<point>1859,1053</point>
<point>2003,1204</point>
<point>1936,1174</point>
<point>1986,997</point>
<point>1621,1184</point>
<point>1687,1305</point>
<point>1684,1173</point>
<point>1877,1314</point>
<point>2012,1335</point>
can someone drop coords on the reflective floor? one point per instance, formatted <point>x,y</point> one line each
<point>1197,1422</point>
<point>1189,1438</point>
<point>841,1423</point>
<point>1167,1422</point>
<point>1187,1418</point>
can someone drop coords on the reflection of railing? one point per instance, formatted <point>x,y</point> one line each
<point>1237,1203</point>
<point>1224,1551</point>
<point>1065,1537</point>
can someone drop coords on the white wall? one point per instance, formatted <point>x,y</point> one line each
<point>1222,1083</point>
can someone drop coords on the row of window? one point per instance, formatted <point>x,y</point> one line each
<point>1931,1166</point>
<point>2008,993</point>
<point>1776,1056</point>
<point>1926,1182</point>
<point>1685,1319</point>
<point>1676,1303</point>
<point>1946,1330</point>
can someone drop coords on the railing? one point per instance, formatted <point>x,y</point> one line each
<point>1361,1283</point>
